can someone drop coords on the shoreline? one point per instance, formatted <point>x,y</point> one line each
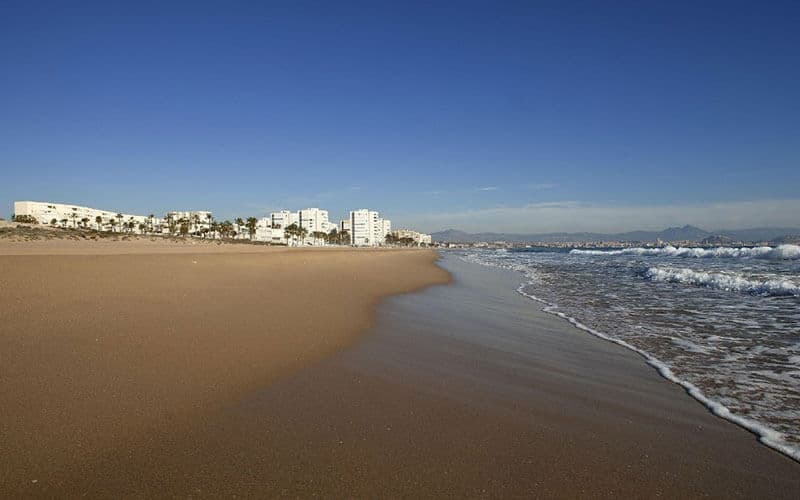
<point>766,436</point>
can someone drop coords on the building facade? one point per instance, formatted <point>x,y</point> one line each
<point>284,219</point>
<point>367,228</point>
<point>314,220</point>
<point>65,215</point>
<point>415,236</point>
<point>76,216</point>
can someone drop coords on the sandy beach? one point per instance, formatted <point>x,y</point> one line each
<point>230,373</point>
<point>114,348</point>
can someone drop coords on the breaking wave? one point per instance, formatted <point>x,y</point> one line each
<point>727,282</point>
<point>781,252</point>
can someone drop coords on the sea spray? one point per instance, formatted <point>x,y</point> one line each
<point>781,252</point>
<point>727,282</point>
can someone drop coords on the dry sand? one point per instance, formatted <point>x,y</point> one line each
<point>111,348</point>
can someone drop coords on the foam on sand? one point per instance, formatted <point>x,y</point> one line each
<point>766,435</point>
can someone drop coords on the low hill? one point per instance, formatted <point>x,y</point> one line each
<point>682,233</point>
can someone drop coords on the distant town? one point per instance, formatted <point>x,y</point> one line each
<point>309,226</point>
<point>365,227</point>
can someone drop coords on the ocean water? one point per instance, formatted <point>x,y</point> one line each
<point>724,322</point>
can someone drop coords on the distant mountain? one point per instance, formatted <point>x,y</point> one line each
<point>793,239</point>
<point>684,233</point>
<point>759,233</point>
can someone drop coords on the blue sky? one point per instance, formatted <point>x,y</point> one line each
<point>510,116</point>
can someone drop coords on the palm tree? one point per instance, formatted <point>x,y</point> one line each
<point>53,222</point>
<point>85,222</point>
<point>150,219</point>
<point>209,220</point>
<point>119,217</point>
<point>251,226</point>
<point>291,231</point>
<point>239,224</point>
<point>226,229</point>
<point>99,221</point>
<point>318,235</point>
<point>171,223</point>
<point>64,223</point>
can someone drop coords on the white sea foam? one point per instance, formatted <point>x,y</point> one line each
<point>728,282</point>
<point>781,252</point>
<point>766,435</point>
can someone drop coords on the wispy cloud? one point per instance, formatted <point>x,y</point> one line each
<point>578,216</point>
<point>487,188</point>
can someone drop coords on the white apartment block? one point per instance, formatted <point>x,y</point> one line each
<point>284,219</point>
<point>367,228</point>
<point>266,233</point>
<point>314,220</point>
<point>385,229</point>
<point>78,216</point>
<point>417,237</point>
<point>201,217</point>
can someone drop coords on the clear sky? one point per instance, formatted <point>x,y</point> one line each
<point>508,116</point>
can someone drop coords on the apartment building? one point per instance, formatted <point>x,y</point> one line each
<point>367,228</point>
<point>284,219</point>
<point>314,220</point>
<point>417,237</point>
<point>267,233</point>
<point>65,215</point>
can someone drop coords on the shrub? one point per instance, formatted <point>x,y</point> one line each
<point>27,219</point>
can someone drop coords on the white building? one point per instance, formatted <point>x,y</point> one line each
<point>314,220</point>
<point>77,216</point>
<point>384,229</point>
<point>367,228</point>
<point>64,215</point>
<point>265,232</point>
<point>197,220</point>
<point>417,237</point>
<point>284,219</point>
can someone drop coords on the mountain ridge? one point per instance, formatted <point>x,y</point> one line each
<point>677,233</point>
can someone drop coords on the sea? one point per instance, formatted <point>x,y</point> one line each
<point>723,322</point>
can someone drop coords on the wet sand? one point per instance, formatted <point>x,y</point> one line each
<point>464,390</point>
<point>117,349</point>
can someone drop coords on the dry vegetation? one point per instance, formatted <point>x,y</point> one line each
<point>17,232</point>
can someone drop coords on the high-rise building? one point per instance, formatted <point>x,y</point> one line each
<point>367,228</point>
<point>284,219</point>
<point>314,220</point>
